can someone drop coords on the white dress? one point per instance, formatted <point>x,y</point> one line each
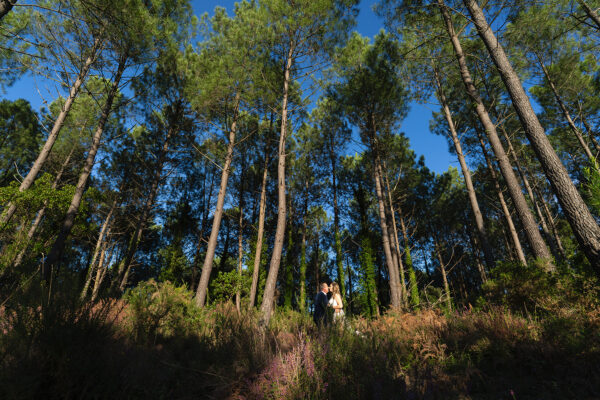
<point>339,315</point>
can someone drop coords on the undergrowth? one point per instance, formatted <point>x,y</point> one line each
<point>154,343</point>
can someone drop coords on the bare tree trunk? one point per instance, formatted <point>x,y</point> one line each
<point>214,233</point>
<point>99,245</point>
<point>238,294</point>
<point>547,234</point>
<point>509,221</point>
<point>201,238</point>
<point>6,6</point>
<point>101,270</point>
<point>396,298</point>
<point>448,298</point>
<point>481,231</point>
<point>125,265</point>
<point>396,242</point>
<point>582,222</point>
<point>532,232</point>
<point>550,218</point>
<point>266,307</point>
<point>302,300</point>
<point>260,234</point>
<point>57,249</point>
<point>474,248</point>
<point>58,124</point>
<point>40,215</point>
<point>336,222</point>
<point>565,112</point>
<point>592,14</point>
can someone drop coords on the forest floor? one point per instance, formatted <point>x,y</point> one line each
<point>156,344</point>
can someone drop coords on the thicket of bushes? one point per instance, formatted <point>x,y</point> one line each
<point>154,343</point>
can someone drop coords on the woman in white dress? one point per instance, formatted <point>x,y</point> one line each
<point>336,302</point>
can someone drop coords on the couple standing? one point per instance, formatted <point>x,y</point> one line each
<point>322,302</point>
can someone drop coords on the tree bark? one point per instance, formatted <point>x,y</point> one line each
<point>238,294</point>
<point>6,6</point>
<point>444,277</point>
<point>269,294</point>
<point>582,222</point>
<point>479,224</point>
<point>97,249</point>
<point>40,215</point>
<point>592,14</point>
<point>125,265</point>
<point>532,232</point>
<point>57,249</point>
<point>260,233</point>
<point>336,221</point>
<point>101,270</point>
<point>509,221</point>
<point>53,135</point>
<point>218,215</point>
<point>396,298</point>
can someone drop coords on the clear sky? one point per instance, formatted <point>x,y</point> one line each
<point>415,126</point>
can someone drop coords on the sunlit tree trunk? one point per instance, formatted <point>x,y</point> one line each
<point>582,222</point>
<point>10,208</point>
<point>538,246</point>
<point>218,215</point>
<point>57,249</point>
<point>260,233</point>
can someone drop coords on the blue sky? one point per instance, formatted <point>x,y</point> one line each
<point>415,126</point>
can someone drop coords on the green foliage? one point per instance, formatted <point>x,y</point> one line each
<point>226,284</point>
<point>412,279</point>
<point>592,186</point>
<point>161,308</point>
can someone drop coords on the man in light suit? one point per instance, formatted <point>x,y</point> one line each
<point>321,302</point>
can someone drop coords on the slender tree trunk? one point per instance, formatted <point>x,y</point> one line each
<point>53,135</point>
<point>336,221</point>
<point>126,264</point>
<point>532,232</point>
<point>582,222</point>
<point>99,244</point>
<point>260,233</point>
<point>218,215</point>
<point>267,303</point>
<point>101,270</point>
<point>475,249</point>
<point>550,218</point>
<point>6,6</point>
<point>592,14</point>
<point>57,249</point>
<point>349,308</point>
<point>481,231</point>
<point>396,298</point>
<point>303,264</point>
<point>547,234</point>
<point>396,243</point>
<point>509,221</point>
<point>238,294</point>
<point>288,272</point>
<point>40,215</point>
<point>448,298</point>
<point>201,237</point>
<point>565,112</point>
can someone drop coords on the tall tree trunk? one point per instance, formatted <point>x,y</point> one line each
<point>40,215</point>
<point>447,296</point>
<point>547,234</point>
<point>238,294</point>
<point>396,243</point>
<point>475,249</point>
<point>509,221</point>
<point>592,14</point>
<point>101,270</point>
<point>126,264</point>
<point>479,224</point>
<point>266,307</point>
<point>260,233</point>
<point>288,272</point>
<point>336,221</point>
<point>58,124</point>
<point>396,298</point>
<point>218,215</point>
<point>302,300</point>
<point>57,249</point>
<point>532,232</point>
<point>201,238</point>
<point>99,245</point>
<point>6,6</point>
<point>566,114</point>
<point>550,218</point>
<point>582,222</point>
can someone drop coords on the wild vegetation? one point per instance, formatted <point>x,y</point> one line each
<point>167,216</point>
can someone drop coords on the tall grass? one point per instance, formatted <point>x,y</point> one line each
<point>154,343</point>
